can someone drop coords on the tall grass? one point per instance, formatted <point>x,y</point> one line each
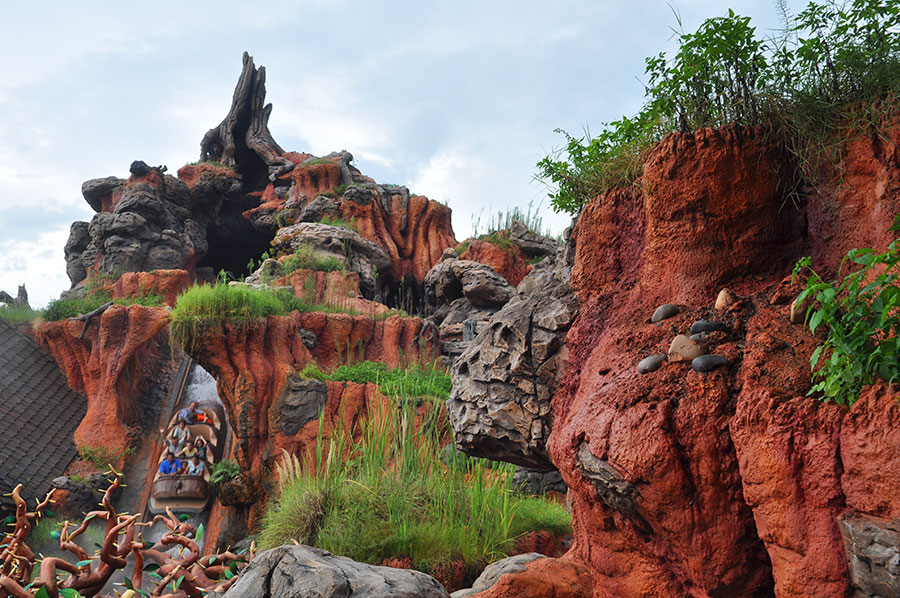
<point>18,314</point>
<point>307,258</point>
<point>60,309</point>
<point>202,306</point>
<point>503,219</point>
<point>429,380</point>
<point>388,495</point>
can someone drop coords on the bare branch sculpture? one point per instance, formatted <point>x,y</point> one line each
<point>182,575</point>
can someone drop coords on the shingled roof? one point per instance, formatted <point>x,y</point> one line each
<point>38,416</point>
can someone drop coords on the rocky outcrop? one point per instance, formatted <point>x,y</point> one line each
<point>504,381</point>
<point>108,359</point>
<point>268,404</point>
<point>361,256</point>
<point>531,575</point>
<point>300,571</point>
<point>508,263</point>
<point>729,482</point>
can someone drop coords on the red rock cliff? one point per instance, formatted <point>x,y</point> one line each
<point>732,482</point>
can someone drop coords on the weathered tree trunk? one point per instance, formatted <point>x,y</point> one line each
<point>243,139</point>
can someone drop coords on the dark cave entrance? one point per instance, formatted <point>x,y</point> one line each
<point>231,248</point>
<point>406,294</point>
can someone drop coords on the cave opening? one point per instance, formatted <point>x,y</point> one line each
<point>232,247</point>
<point>407,294</point>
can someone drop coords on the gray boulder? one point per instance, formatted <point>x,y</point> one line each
<point>504,380</point>
<point>531,244</point>
<point>362,256</point>
<point>317,209</point>
<point>306,572</point>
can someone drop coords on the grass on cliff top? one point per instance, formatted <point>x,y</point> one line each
<point>830,74</point>
<point>389,496</point>
<point>430,380</point>
<point>307,258</point>
<point>60,309</point>
<point>17,314</point>
<point>204,305</point>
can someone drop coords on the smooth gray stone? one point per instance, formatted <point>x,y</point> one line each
<point>707,363</point>
<point>700,337</point>
<point>650,364</point>
<point>707,326</point>
<point>666,310</point>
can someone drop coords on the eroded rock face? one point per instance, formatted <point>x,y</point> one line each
<point>730,482</point>
<point>531,575</point>
<point>361,256</point>
<point>504,381</point>
<point>873,547</point>
<point>300,571</point>
<point>108,360</point>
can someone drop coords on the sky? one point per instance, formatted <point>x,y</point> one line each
<point>456,100</point>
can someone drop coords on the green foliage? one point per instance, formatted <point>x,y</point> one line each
<point>214,163</point>
<point>861,317</point>
<point>60,309</point>
<point>340,222</point>
<point>307,258</point>
<point>223,471</point>
<point>101,457</point>
<point>414,381</point>
<point>808,83</point>
<point>503,219</point>
<point>203,306</point>
<point>388,495</point>
<point>500,240</point>
<point>339,189</point>
<point>18,314</point>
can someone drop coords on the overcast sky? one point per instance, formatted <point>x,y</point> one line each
<point>457,100</point>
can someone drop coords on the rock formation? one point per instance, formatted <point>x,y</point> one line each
<point>109,360</point>
<point>306,571</point>
<point>505,379</point>
<point>731,482</point>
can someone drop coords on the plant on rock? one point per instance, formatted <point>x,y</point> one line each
<point>861,314</point>
<point>389,496</point>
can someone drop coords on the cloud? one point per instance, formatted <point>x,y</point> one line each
<point>36,263</point>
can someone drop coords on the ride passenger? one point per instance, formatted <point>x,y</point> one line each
<point>171,466</point>
<point>178,438</point>
<point>189,414</point>
<point>189,450</point>
<point>200,445</point>
<point>196,466</point>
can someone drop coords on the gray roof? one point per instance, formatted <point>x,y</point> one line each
<point>38,416</point>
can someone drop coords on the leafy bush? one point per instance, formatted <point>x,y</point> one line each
<point>307,258</point>
<point>414,381</point>
<point>831,55</point>
<point>60,309</point>
<point>861,316</point>
<point>101,457</point>
<point>388,495</point>
<point>223,471</point>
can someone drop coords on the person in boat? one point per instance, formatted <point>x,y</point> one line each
<point>171,466</point>
<point>189,450</point>
<point>190,414</point>
<point>195,466</point>
<point>178,438</point>
<point>200,445</point>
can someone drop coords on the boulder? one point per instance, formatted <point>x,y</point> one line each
<point>531,575</point>
<point>531,243</point>
<point>362,256</point>
<point>306,572</point>
<point>503,382</point>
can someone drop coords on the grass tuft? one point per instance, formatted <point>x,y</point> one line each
<point>388,495</point>
<point>60,309</point>
<point>307,258</point>
<point>414,381</point>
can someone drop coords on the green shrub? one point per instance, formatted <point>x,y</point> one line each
<point>860,314</point>
<point>307,258</point>
<point>223,471</point>
<point>388,495</point>
<point>414,381</point>
<point>60,309</point>
<point>828,76</point>
<point>101,457</point>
